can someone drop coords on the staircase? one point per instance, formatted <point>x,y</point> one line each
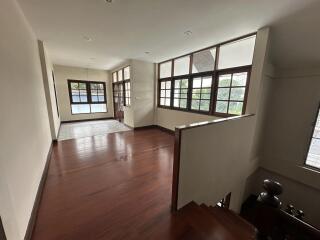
<point>214,223</point>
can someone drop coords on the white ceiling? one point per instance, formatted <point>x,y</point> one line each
<point>126,29</point>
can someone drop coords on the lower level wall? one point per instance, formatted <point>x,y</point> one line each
<point>299,195</point>
<point>168,118</point>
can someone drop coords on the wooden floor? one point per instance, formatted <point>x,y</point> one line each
<point>116,186</point>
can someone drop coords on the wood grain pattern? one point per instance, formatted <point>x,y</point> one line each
<point>116,186</point>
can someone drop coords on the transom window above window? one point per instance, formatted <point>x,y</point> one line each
<point>181,66</point>
<point>120,75</point>
<point>313,156</point>
<point>204,61</point>
<point>231,93</point>
<point>87,96</point>
<point>165,93</point>
<point>180,93</point>
<point>201,93</point>
<point>165,69</point>
<point>126,73</point>
<point>114,77</point>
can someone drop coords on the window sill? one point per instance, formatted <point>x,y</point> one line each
<point>310,168</point>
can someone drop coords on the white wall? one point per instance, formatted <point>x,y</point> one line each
<point>143,92</point>
<point>170,119</point>
<point>25,131</point>
<point>63,73</point>
<point>292,109</point>
<point>215,160</point>
<point>47,70</point>
<point>141,111</point>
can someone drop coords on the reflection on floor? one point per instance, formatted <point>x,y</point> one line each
<point>113,187</point>
<point>90,128</point>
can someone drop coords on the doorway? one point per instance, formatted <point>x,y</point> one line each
<point>118,101</point>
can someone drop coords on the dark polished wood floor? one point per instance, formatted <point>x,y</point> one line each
<point>116,186</point>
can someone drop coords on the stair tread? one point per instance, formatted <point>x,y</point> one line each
<point>233,222</point>
<point>205,223</point>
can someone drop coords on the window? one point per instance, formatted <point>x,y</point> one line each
<point>313,156</point>
<point>165,93</point>
<point>114,77</point>
<point>238,53</point>
<point>165,69</point>
<point>231,93</point>
<point>180,93</point>
<point>120,75</point>
<point>211,81</point>
<point>201,93</point>
<point>126,73</point>
<point>87,96</point>
<point>122,87</point>
<point>181,66</point>
<point>127,93</point>
<point>204,61</point>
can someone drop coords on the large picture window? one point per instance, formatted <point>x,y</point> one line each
<point>87,97</point>
<point>211,81</point>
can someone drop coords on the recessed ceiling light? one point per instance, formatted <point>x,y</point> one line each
<point>188,33</point>
<point>108,1</point>
<point>147,53</point>
<point>88,39</point>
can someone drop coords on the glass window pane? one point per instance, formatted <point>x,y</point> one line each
<point>206,81</point>
<point>101,98</point>
<point>184,83</point>
<point>93,86</point>
<point>83,98</point>
<point>204,105</point>
<point>223,94</point>
<point>168,84</point>
<point>167,102</point>
<point>237,93</point>
<point>168,93</point>
<point>221,107</point>
<point>80,108</point>
<point>161,101</point>
<point>204,61</point>
<point>177,95</point>
<point>183,103</point>
<point>74,86</point>
<point>224,80</point>
<point>235,108</point>
<point>120,75</point>
<point>82,86</point>
<point>238,53</point>
<point>239,79</point>
<point>313,158</point>
<point>165,69</point>
<point>75,92</point>
<point>114,77</point>
<point>94,98</point>
<point>205,96</point>
<point>98,108</point>
<point>196,93</point>
<point>176,102</point>
<point>162,93</point>
<point>75,98</point>
<point>126,73</point>
<point>181,66</point>
<point>177,83</point>
<point>195,104</point>
<point>163,85</point>
<point>196,83</point>
<point>205,90</point>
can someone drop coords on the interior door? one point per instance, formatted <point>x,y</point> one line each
<point>118,101</point>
